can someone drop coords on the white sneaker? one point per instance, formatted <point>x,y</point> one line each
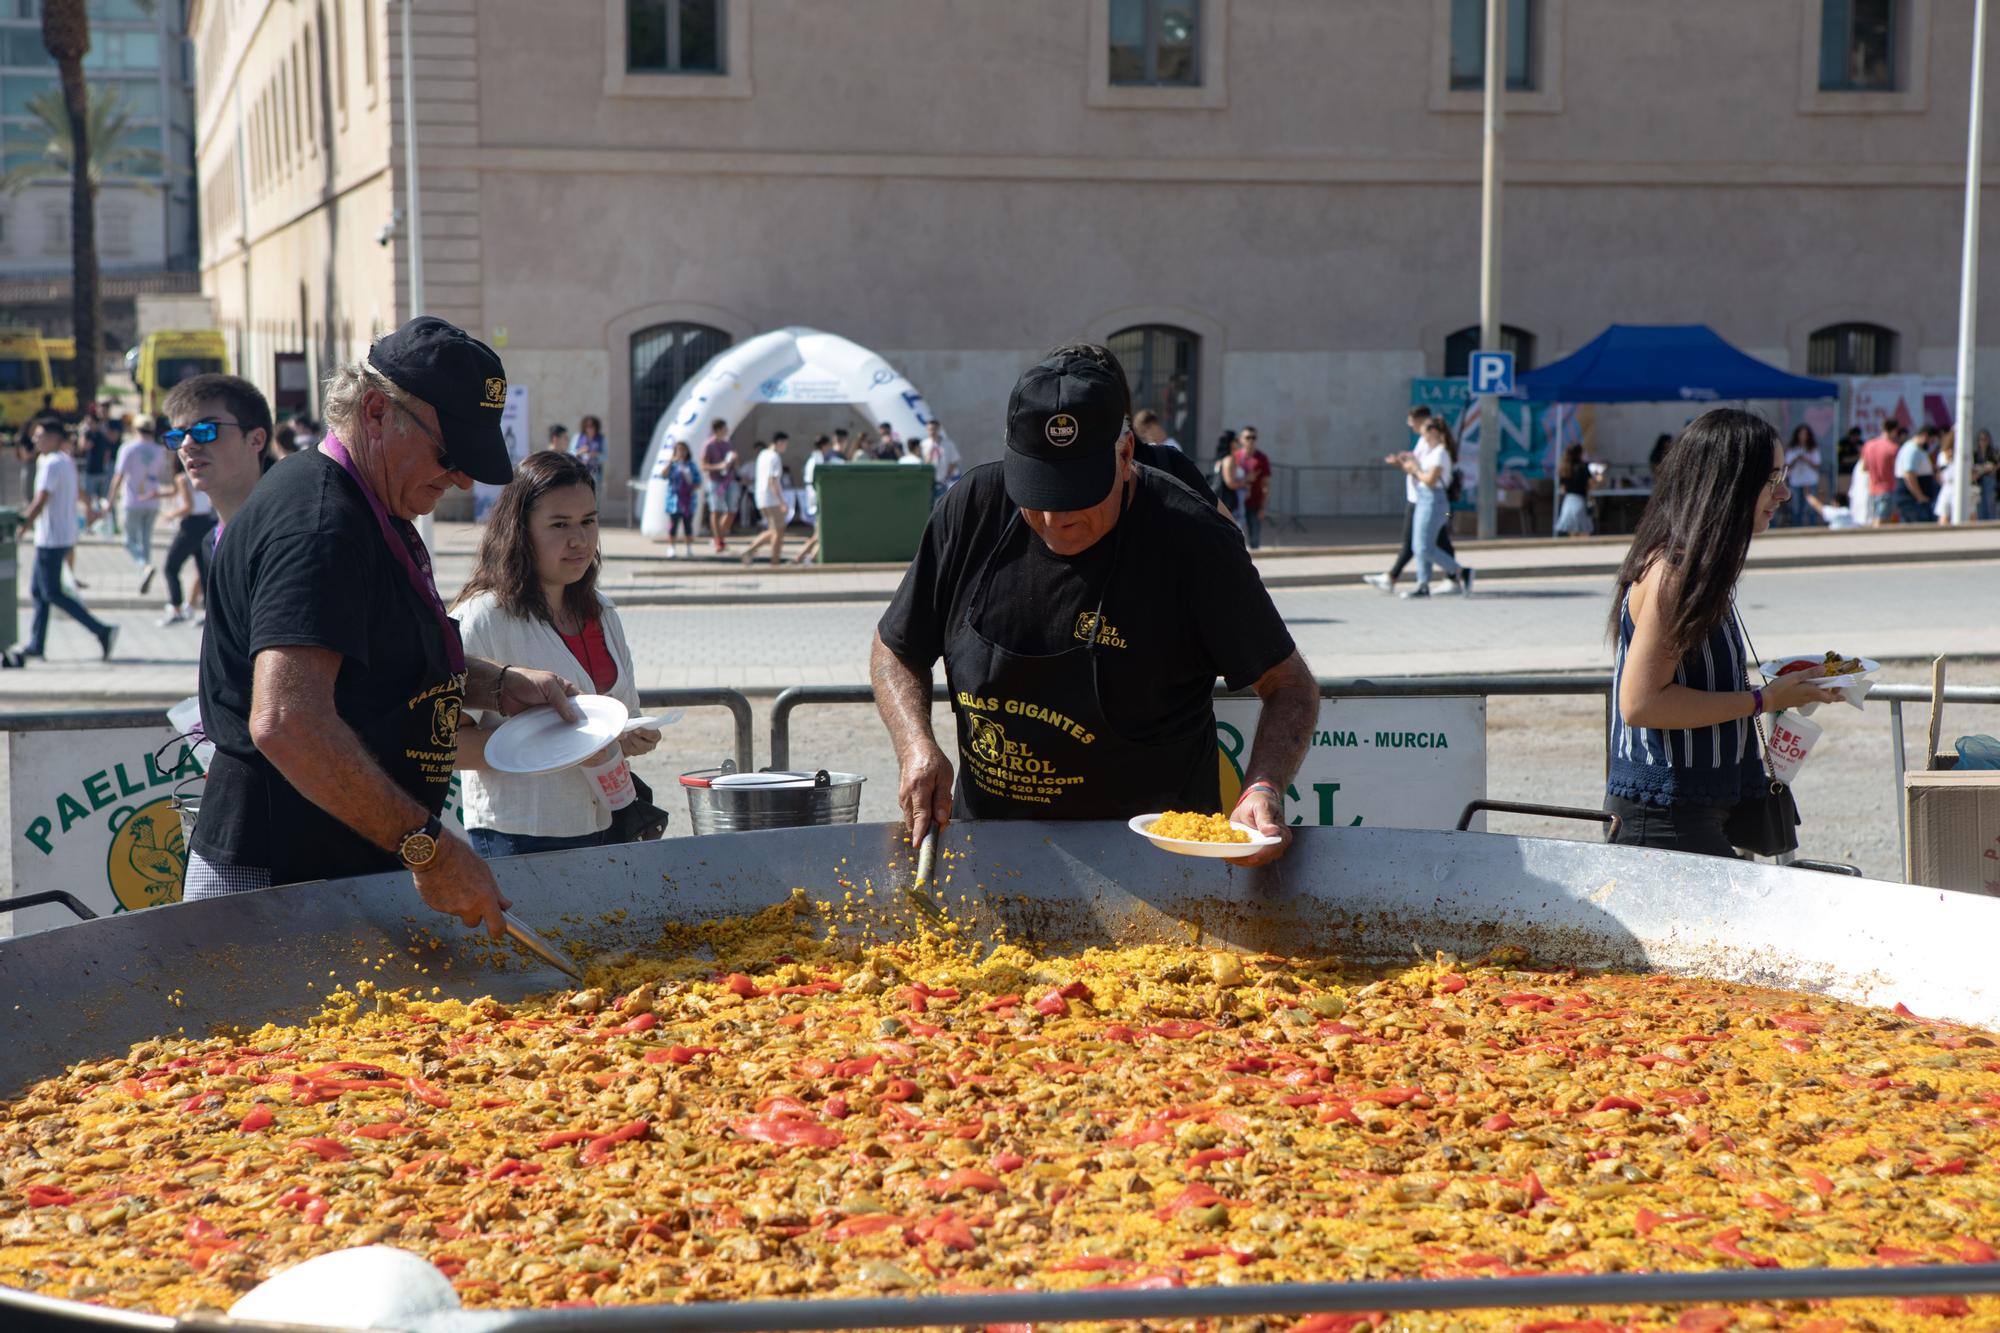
<point>672,554</point>
<point>1380,581</point>
<point>1450,587</point>
<point>174,616</point>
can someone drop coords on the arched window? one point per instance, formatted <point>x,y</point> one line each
<point>1851,349</point>
<point>1460,346</point>
<point>1163,364</point>
<point>664,357</point>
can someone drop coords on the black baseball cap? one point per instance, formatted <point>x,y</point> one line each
<point>465,384</point>
<point>1064,420</point>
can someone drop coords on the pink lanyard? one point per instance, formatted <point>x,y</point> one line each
<point>409,552</point>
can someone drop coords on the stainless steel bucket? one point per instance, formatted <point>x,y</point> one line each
<point>721,800</point>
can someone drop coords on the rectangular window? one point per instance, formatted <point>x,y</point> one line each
<point>115,230</point>
<point>55,230</point>
<point>1156,43</point>
<point>1468,45</point>
<point>140,98</point>
<point>16,92</point>
<point>135,11</point>
<point>24,49</point>
<point>1857,46</point>
<point>673,37</point>
<point>368,41</point>
<point>298,100</point>
<point>340,55</point>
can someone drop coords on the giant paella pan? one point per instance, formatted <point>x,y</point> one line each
<point>1073,1080</point>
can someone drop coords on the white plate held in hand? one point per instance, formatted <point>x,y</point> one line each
<point>539,741</point>
<point>1140,824</point>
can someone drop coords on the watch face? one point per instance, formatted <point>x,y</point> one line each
<point>419,849</point>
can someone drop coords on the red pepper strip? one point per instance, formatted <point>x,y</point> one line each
<point>1194,1196</point>
<point>424,1092</point>
<point>1896,1254</point>
<point>1345,1322</point>
<point>1728,1242</point>
<point>738,984</point>
<point>1154,1132</point>
<point>342,1067</point>
<point>900,1090</point>
<point>564,1137</point>
<point>679,1055</point>
<point>836,1108</point>
<point>1821,1183</point>
<point>1000,1002</point>
<point>195,1102</point>
<point>866,1225</point>
<point>510,1167</point>
<point>1241,1257</point>
<point>947,1229</point>
<point>1207,1155</point>
<point>1528,999</point>
<point>1954,1306</point>
<point>260,1117</point>
<point>601,1146</point>
<point>1705,1321</point>
<point>1955,1167</point>
<point>1617,1104</point>
<point>963,1181</point>
<point>1339,1112</point>
<point>1013,1161</point>
<point>1799,1022</point>
<point>385,1129</point>
<point>1093,1263</point>
<point>1972,1251</point>
<point>1074,990</point>
<point>1177,1030</point>
<point>328,1150</point>
<point>1254,1064</point>
<point>642,1023</point>
<point>1653,1061</point>
<point>855,1068</point>
<point>1393,1096</point>
<point>49,1196</point>
<point>1451,983</point>
<point>787,1131</point>
<point>1119,1032</point>
<point>1796,1045</point>
<point>1493,1124</point>
<point>785,1105</point>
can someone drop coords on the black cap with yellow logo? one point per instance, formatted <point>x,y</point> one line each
<point>465,384</point>
<point>1064,420</point>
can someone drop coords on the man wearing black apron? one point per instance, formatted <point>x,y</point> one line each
<point>1084,606</point>
<point>331,676</point>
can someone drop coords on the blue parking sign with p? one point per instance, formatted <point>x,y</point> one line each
<point>1491,372</point>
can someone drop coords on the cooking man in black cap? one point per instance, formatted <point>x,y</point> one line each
<point>331,677</point>
<point>1084,606</point>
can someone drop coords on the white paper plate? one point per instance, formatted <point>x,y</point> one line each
<point>539,741</point>
<point>1185,847</point>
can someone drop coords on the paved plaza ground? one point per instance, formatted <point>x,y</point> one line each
<point>1898,597</point>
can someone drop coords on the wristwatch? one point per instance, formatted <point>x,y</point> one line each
<point>419,847</point>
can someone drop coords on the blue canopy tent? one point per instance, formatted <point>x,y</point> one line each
<point>1663,363</point>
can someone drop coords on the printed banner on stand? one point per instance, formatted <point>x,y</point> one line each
<point>1387,763</point>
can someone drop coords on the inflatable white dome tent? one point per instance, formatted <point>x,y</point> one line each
<point>793,365</point>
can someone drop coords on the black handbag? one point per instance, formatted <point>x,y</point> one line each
<point>1764,822</point>
<point>641,821</point>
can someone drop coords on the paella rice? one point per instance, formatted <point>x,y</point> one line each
<point>788,1115</point>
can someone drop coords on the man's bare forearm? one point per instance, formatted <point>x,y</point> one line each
<point>1285,726</point>
<point>902,696</point>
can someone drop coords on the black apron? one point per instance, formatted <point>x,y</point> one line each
<point>1033,738</point>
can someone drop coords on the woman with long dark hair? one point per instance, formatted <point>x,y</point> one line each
<point>1685,742</point>
<point>1430,465</point>
<point>1229,482</point>
<point>533,601</point>
<point>1573,481</point>
<point>1802,477</point>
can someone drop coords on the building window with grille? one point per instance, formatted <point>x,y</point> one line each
<point>115,231</point>
<point>1851,349</point>
<point>1468,45</point>
<point>1163,365</point>
<point>664,358</point>
<point>1156,43</point>
<point>674,37</point>
<point>1858,46</point>
<point>1460,346</point>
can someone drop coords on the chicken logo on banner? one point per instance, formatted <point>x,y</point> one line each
<point>148,857</point>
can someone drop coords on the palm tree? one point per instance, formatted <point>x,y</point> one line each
<point>66,35</point>
<point>108,134</point>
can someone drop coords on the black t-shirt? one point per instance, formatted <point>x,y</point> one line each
<point>304,563</point>
<point>1175,464</point>
<point>102,451</point>
<point>1185,604</point>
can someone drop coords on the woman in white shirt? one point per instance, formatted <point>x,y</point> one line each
<point>768,489</point>
<point>1431,466</point>
<point>533,600</point>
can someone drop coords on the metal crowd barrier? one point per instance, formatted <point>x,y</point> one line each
<point>1422,687</point>
<point>112,718</point>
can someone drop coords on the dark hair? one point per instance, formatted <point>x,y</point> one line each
<point>1418,413</point>
<point>1811,440</point>
<point>718,424</point>
<point>1700,520</point>
<point>823,441</point>
<point>1450,441</point>
<point>239,396</point>
<point>558,429</point>
<point>1225,443</point>
<point>781,435</point>
<point>506,565</point>
<point>1572,460</point>
<point>286,440</point>
<point>840,433</point>
<point>596,426</point>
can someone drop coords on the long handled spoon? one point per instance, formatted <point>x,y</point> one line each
<point>538,946</point>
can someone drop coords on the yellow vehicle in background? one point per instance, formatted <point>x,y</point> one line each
<point>62,373</point>
<point>25,381</point>
<point>167,358</point>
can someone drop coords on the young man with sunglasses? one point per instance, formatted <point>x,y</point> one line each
<point>332,677</point>
<point>221,425</point>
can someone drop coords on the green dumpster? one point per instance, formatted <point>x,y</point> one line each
<point>872,512</point>
<point>10,577</point>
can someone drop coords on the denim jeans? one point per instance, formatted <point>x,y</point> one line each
<point>1253,526</point>
<point>1433,513</point>
<point>1987,512</point>
<point>1408,548</point>
<point>1910,509</point>
<point>139,534</point>
<point>45,590</point>
<point>1799,513</point>
<point>491,843</point>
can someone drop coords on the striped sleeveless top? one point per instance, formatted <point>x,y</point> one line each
<point>1692,766</point>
